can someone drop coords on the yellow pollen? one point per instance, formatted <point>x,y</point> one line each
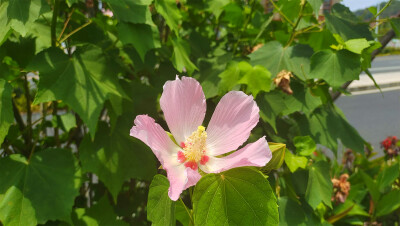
<point>195,145</point>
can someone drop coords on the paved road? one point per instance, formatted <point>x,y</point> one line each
<point>374,115</point>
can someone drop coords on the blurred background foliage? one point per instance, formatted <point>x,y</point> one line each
<point>75,73</point>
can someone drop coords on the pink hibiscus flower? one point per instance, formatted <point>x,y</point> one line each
<point>184,106</point>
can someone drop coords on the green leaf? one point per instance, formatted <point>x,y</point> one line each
<point>101,213</point>
<point>347,29</point>
<point>395,22</point>
<point>131,11</point>
<point>142,36</point>
<point>6,109</point>
<point>335,68</point>
<point>258,79</point>
<point>278,155</point>
<point>83,81</point>
<point>5,26</point>
<point>180,57</point>
<point>304,145</point>
<point>294,162</point>
<point>326,125</point>
<point>373,187</point>
<point>316,5</point>
<point>170,12</point>
<point>21,13</point>
<point>271,106</point>
<point>301,99</point>
<point>319,187</point>
<point>40,189</point>
<point>114,157</point>
<point>68,121</point>
<point>276,58</point>
<point>232,74</point>
<point>356,45</point>
<point>387,176</point>
<point>218,198</point>
<point>160,208</point>
<point>290,212</point>
<point>216,7</point>
<point>373,10</point>
<point>181,214</point>
<point>388,203</point>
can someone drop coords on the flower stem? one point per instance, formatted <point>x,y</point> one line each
<point>187,210</point>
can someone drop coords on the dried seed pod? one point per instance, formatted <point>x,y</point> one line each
<point>282,80</point>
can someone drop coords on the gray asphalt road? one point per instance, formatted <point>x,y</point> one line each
<point>386,64</point>
<point>375,116</point>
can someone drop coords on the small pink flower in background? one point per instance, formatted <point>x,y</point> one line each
<point>184,106</point>
<point>107,12</point>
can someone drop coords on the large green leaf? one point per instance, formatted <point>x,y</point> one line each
<point>101,213</point>
<point>290,212</point>
<point>6,110</point>
<point>180,56</point>
<point>160,208</point>
<point>240,196</point>
<point>5,26</point>
<point>271,106</point>
<point>131,11</point>
<point>395,22</point>
<point>40,189</point>
<point>319,187</point>
<point>21,13</point>
<point>326,125</point>
<point>170,12</point>
<point>347,29</point>
<point>301,99</point>
<point>275,58</point>
<point>388,175</point>
<point>388,203</point>
<point>83,81</point>
<point>114,157</point>
<point>142,36</point>
<point>335,67</point>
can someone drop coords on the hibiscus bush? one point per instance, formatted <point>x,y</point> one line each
<point>188,112</point>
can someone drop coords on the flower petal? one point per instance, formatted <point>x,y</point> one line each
<point>184,106</point>
<point>177,177</point>
<point>154,136</point>
<point>235,116</point>
<point>193,177</point>
<point>166,151</point>
<point>253,154</point>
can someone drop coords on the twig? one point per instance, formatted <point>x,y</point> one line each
<point>281,13</point>
<point>293,34</point>
<point>54,23</point>
<point>66,23</point>
<point>190,215</point>
<point>379,13</point>
<point>74,31</point>
<point>28,112</point>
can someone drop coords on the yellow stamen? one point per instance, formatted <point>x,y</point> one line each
<point>195,145</point>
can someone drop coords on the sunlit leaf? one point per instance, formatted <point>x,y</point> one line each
<point>6,110</point>
<point>319,187</point>
<point>218,198</point>
<point>83,81</point>
<point>40,189</point>
<point>161,209</point>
